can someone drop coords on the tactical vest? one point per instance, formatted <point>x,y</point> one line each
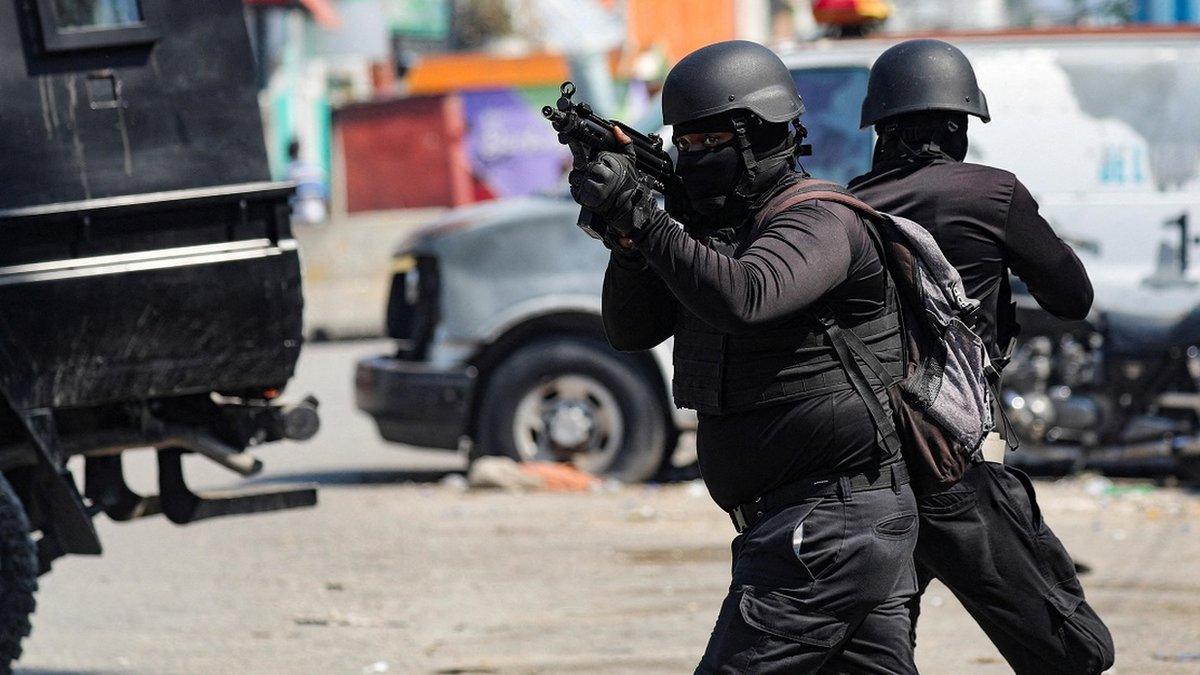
<point>720,373</point>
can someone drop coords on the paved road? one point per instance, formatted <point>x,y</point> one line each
<point>393,572</point>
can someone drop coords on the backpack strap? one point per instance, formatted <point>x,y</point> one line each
<point>847,344</point>
<point>809,189</point>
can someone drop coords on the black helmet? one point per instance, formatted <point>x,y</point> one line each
<point>733,75</point>
<point>920,75</point>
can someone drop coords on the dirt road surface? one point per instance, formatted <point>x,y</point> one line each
<point>397,572</point>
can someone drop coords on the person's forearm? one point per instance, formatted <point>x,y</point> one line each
<point>1067,293</point>
<point>795,261</point>
<point>1049,267</point>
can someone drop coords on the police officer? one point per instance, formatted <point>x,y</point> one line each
<point>822,567</point>
<point>984,537</point>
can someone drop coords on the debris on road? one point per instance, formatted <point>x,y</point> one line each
<point>500,472</point>
<point>561,477</point>
<point>455,481</point>
<point>335,618</point>
<point>1089,493</point>
<point>640,513</point>
<point>1186,657</point>
<point>508,474</point>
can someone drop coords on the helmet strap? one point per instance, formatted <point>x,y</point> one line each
<point>745,186</point>
<point>800,133</point>
<point>799,147</point>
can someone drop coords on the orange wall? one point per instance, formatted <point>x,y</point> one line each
<point>675,26</point>
<point>678,26</point>
<point>477,70</point>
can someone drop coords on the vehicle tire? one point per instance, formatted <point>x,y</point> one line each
<point>18,575</point>
<point>576,399</point>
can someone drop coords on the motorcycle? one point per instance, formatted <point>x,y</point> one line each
<point>1118,393</point>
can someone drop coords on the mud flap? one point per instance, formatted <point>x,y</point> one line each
<point>69,528</point>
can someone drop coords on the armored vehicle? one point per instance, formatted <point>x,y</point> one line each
<point>149,283</point>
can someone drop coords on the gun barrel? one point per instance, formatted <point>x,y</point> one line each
<point>579,123</point>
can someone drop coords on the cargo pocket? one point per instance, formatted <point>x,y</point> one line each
<point>1087,645</point>
<point>789,618</point>
<point>1057,564</point>
<point>1064,600</point>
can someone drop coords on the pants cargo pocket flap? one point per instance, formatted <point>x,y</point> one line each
<point>789,618</point>
<point>1065,601</point>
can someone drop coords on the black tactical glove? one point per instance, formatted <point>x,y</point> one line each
<point>609,186</point>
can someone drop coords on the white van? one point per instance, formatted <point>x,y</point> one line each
<point>1103,127</point>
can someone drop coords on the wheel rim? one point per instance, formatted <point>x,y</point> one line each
<point>569,418</point>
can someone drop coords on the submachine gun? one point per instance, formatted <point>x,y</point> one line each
<point>577,123</point>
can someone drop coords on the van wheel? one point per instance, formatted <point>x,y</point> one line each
<point>18,575</point>
<point>577,400</point>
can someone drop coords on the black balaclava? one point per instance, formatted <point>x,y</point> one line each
<point>922,136</point>
<point>716,180</point>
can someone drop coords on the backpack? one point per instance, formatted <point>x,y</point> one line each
<point>942,403</point>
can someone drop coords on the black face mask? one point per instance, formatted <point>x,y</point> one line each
<point>709,177</point>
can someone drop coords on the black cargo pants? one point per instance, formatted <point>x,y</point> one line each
<point>821,586</point>
<point>985,540</point>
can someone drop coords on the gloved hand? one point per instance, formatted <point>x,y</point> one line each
<point>609,187</point>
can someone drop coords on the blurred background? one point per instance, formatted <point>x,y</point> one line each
<point>396,109</point>
<point>450,303</point>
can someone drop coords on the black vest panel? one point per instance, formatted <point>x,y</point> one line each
<point>719,373</point>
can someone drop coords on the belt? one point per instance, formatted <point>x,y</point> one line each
<point>889,476</point>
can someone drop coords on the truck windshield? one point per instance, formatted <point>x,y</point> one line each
<point>832,101</point>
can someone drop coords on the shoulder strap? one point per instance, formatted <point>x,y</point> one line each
<point>809,189</point>
<point>847,345</point>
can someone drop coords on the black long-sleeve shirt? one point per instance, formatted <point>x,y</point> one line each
<point>986,223</point>
<point>802,255</point>
<point>817,251</point>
